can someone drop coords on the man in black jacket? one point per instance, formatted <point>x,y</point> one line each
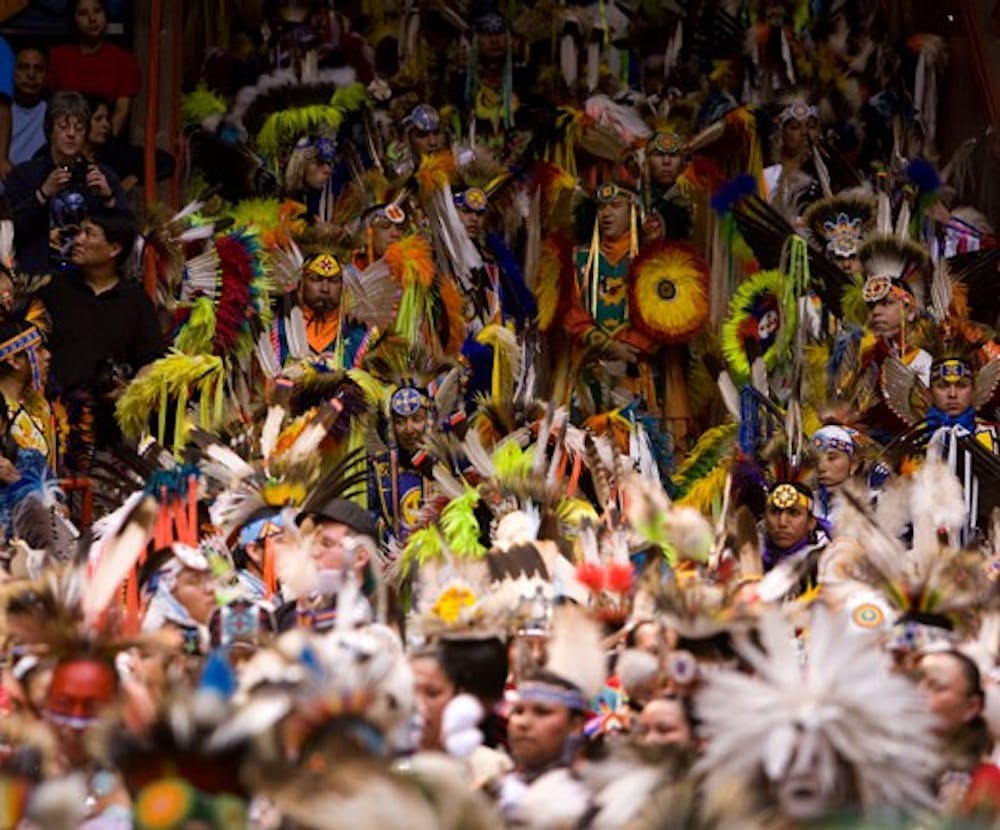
<point>50,194</point>
<point>104,328</point>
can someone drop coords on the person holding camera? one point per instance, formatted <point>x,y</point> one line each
<point>52,193</point>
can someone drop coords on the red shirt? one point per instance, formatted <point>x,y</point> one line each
<point>111,71</point>
<point>982,798</point>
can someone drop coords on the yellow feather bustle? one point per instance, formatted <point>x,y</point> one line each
<point>668,296</point>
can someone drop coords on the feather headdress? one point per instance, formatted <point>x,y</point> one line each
<point>220,308</point>
<point>933,581</point>
<point>838,711</point>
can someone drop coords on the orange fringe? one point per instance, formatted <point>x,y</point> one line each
<point>436,171</point>
<point>451,302</point>
<point>411,261</point>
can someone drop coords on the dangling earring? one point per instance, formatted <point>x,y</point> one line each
<point>633,230</point>
<point>593,270</point>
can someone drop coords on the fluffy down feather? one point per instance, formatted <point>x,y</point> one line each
<point>843,703</point>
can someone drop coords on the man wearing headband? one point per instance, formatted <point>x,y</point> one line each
<point>424,131</point>
<point>790,183</point>
<point>836,462</point>
<point>495,294</point>
<point>183,597</point>
<point>954,399</point>
<point>30,432</point>
<point>544,734</point>
<point>601,320</point>
<point>330,333</point>
<point>491,88</point>
<point>669,215</point>
<point>382,226</point>
<point>892,308</point>
<point>895,273</point>
<point>598,318</point>
<point>308,175</point>
<point>398,486</point>
<point>793,540</point>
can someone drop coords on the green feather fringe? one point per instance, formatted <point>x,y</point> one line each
<point>200,104</point>
<point>195,337</point>
<point>704,457</point>
<point>460,525</point>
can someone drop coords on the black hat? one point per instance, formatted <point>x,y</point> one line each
<point>344,512</point>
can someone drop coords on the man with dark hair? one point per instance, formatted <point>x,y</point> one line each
<point>104,328</point>
<point>30,106</point>
<point>793,540</point>
<point>50,194</point>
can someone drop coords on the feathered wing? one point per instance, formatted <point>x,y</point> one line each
<point>903,390</point>
<point>373,294</point>
<point>986,383</point>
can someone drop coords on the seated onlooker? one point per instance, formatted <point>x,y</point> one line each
<point>28,112</point>
<point>125,159</point>
<point>50,194</point>
<point>95,66</point>
<point>6,96</point>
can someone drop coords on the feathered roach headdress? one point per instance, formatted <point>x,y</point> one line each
<point>499,415</point>
<point>222,304</point>
<point>837,710</point>
<point>892,262</point>
<point>515,494</point>
<point>349,683</point>
<point>74,609</point>
<point>327,714</point>
<point>704,606</point>
<point>281,109</point>
<point>936,588</point>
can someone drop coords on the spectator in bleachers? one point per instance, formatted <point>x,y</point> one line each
<point>50,194</point>
<point>93,65</point>
<point>124,158</point>
<point>30,105</point>
<point>6,96</point>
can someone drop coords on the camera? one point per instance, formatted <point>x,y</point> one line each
<point>109,375</point>
<point>78,173</point>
